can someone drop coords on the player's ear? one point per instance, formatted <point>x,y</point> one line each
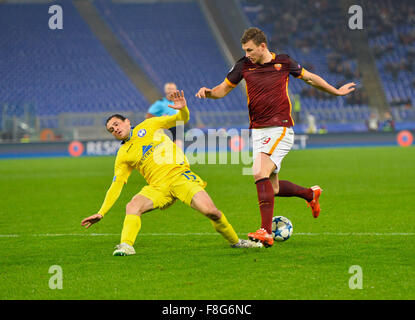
<point>127,121</point>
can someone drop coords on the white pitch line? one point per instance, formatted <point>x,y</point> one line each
<point>204,234</point>
<point>357,234</point>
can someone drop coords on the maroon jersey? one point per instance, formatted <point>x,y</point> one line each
<point>267,89</point>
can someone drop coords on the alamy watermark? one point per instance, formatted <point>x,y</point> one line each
<point>56,20</point>
<point>356,280</point>
<point>56,280</point>
<point>216,146</point>
<point>356,20</point>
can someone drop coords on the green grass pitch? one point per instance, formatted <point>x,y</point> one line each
<point>367,220</point>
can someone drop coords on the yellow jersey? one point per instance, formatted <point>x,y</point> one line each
<point>150,151</point>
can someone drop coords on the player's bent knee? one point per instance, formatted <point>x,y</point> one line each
<point>214,216</point>
<point>258,174</point>
<point>212,213</point>
<point>133,208</point>
<point>204,204</point>
<point>138,205</point>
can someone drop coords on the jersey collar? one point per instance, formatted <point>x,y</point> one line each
<point>272,59</point>
<point>131,134</point>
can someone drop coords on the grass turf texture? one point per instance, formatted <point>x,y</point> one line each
<point>369,192</point>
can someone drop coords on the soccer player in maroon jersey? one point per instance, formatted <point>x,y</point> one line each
<point>267,75</point>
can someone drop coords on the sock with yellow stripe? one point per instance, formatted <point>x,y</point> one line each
<point>225,229</point>
<point>131,227</point>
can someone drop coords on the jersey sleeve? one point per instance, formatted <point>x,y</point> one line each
<point>111,197</point>
<point>167,122</point>
<point>296,70</point>
<point>121,173</point>
<point>235,74</point>
<point>155,109</point>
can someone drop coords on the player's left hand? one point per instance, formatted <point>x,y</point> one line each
<point>346,89</point>
<point>178,99</point>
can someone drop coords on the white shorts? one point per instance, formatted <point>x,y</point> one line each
<point>274,141</point>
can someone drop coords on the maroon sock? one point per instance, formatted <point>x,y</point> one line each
<point>266,202</point>
<point>289,189</point>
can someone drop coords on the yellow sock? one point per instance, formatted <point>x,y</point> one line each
<point>132,225</point>
<point>225,229</point>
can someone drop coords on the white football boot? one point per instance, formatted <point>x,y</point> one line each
<point>247,244</point>
<point>123,249</point>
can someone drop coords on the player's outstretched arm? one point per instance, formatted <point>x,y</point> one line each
<point>111,197</point>
<point>217,92</point>
<point>321,84</point>
<point>179,103</point>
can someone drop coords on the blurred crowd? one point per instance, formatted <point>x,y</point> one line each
<point>321,24</point>
<point>395,67</point>
<point>383,16</point>
<point>307,25</point>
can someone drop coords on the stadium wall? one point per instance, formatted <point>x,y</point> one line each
<point>235,143</point>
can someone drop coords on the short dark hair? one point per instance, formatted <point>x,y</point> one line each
<point>115,116</point>
<point>256,35</point>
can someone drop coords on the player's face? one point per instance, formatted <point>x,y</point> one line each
<point>254,52</point>
<point>118,128</point>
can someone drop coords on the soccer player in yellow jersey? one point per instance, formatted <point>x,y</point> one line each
<point>165,168</point>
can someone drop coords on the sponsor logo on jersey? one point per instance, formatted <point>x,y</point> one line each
<point>277,66</point>
<point>149,150</point>
<point>141,133</point>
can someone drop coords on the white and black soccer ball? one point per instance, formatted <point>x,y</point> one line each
<point>282,228</point>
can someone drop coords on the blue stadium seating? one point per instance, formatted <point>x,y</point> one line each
<point>173,42</point>
<point>55,71</point>
<point>400,88</point>
<point>58,71</point>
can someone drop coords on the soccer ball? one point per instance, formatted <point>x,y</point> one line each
<point>282,228</point>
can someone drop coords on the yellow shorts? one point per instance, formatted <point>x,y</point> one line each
<point>184,187</point>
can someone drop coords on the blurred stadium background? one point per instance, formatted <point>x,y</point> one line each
<point>114,56</point>
<point>57,87</point>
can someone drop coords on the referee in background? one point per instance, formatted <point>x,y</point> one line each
<point>161,108</point>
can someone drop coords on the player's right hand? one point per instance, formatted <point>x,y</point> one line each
<point>179,101</point>
<point>203,92</point>
<point>87,222</point>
